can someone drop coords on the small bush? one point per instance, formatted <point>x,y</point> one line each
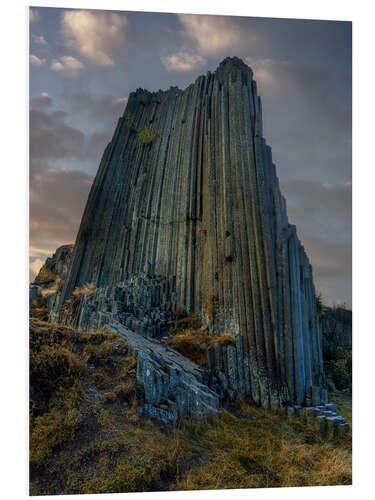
<point>320,307</point>
<point>340,369</point>
<point>52,367</point>
<point>146,136</point>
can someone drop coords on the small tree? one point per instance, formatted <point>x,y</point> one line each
<point>320,307</point>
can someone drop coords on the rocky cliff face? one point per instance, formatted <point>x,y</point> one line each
<point>186,212</point>
<point>55,267</point>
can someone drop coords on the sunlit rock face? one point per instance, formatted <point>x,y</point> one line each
<point>193,218</point>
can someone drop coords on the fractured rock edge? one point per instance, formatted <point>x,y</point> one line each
<point>174,385</point>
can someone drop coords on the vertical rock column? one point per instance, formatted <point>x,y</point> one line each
<point>202,204</point>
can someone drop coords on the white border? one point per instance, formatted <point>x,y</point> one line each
<point>14,202</point>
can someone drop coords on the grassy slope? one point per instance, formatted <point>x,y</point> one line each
<point>86,436</point>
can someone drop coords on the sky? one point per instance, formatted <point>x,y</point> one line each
<point>84,64</point>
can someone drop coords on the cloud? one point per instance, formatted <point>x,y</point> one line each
<point>61,159</point>
<point>122,101</point>
<point>303,121</point>
<point>39,40</point>
<point>183,62</point>
<point>35,61</point>
<point>309,199</point>
<point>34,15</point>
<point>95,35</point>
<point>35,265</point>
<point>101,112</point>
<point>215,34</point>
<point>67,63</point>
<point>42,101</point>
<point>322,215</point>
<point>57,200</point>
<point>57,65</point>
<point>52,138</point>
<point>54,143</point>
<point>332,268</point>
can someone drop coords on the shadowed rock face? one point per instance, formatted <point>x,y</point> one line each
<point>57,265</point>
<point>198,215</point>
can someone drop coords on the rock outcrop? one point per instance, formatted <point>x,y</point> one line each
<point>175,387</point>
<point>55,267</point>
<point>51,277</point>
<point>186,212</point>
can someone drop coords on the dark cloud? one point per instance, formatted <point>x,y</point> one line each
<point>308,128</point>
<point>303,71</point>
<point>57,200</point>
<point>54,143</point>
<point>100,111</point>
<point>41,102</point>
<point>52,138</point>
<point>332,268</point>
<point>322,215</point>
<point>310,199</point>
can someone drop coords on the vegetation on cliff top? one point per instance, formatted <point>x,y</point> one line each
<point>86,435</point>
<point>188,338</point>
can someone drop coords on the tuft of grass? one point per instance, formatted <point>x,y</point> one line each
<point>193,344</point>
<point>87,289</point>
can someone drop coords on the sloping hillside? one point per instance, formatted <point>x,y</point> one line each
<point>87,437</point>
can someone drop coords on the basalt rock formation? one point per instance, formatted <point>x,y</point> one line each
<point>185,212</point>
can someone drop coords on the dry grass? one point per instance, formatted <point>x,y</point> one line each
<point>268,452</point>
<point>86,435</point>
<point>193,344</point>
<point>87,289</point>
<point>209,306</point>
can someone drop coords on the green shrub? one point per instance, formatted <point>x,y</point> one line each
<point>320,307</point>
<point>52,367</point>
<point>340,368</point>
<point>146,136</point>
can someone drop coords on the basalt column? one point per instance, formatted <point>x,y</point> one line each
<point>201,206</point>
